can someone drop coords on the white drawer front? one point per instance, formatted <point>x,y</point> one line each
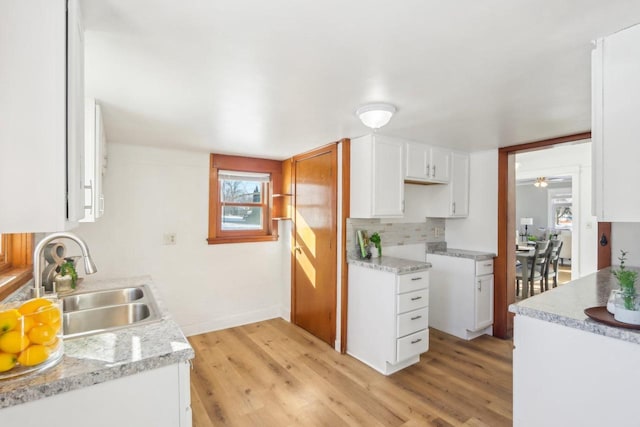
<point>412,345</point>
<point>413,281</point>
<point>413,321</point>
<point>413,300</point>
<point>484,267</point>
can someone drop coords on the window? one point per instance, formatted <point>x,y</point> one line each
<point>16,253</point>
<point>240,199</point>
<point>560,208</point>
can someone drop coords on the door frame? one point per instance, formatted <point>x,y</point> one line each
<point>328,148</point>
<point>505,294</point>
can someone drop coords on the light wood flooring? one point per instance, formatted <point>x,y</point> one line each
<point>273,373</point>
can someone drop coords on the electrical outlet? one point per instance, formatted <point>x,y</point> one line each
<point>169,238</point>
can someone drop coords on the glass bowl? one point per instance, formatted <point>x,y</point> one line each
<point>30,336</point>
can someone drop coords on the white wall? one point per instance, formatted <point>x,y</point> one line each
<point>479,231</point>
<point>574,159</point>
<point>151,191</point>
<point>626,236</point>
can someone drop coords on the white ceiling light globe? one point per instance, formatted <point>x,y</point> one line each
<point>375,116</point>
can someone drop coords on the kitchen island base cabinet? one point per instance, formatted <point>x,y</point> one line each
<point>564,376</point>
<point>387,318</point>
<point>158,397</point>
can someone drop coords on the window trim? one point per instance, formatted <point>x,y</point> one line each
<point>242,164</point>
<point>4,252</point>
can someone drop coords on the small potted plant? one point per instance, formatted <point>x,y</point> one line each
<point>627,303</point>
<point>375,239</point>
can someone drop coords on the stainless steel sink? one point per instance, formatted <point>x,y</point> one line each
<point>103,311</point>
<point>104,298</point>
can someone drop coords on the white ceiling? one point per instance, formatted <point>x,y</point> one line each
<point>275,78</point>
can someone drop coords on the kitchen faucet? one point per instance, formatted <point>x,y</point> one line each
<point>89,266</point>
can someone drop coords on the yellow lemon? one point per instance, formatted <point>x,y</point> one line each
<point>33,355</point>
<point>54,344</point>
<point>49,315</point>
<point>7,361</point>
<point>25,323</point>
<point>13,342</point>
<point>9,320</point>
<point>33,304</point>
<point>43,334</point>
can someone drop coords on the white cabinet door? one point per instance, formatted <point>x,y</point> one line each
<point>451,200</point>
<point>417,158</point>
<point>425,163</point>
<point>388,186</point>
<point>483,302</point>
<point>41,184</point>
<point>157,397</point>
<point>377,172</point>
<point>439,165</point>
<point>95,161</point>
<point>616,128</point>
<point>459,185</point>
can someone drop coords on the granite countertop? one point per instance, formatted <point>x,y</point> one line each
<point>565,305</point>
<point>102,357</point>
<point>391,264</point>
<point>463,253</point>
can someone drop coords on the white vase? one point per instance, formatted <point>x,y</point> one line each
<point>627,308</point>
<point>627,316</point>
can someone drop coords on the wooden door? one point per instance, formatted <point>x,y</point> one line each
<point>313,295</point>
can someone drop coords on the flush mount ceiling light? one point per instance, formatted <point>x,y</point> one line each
<point>375,115</point>
<point>541,182</point>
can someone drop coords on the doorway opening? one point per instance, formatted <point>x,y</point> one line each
<point>509,224</point>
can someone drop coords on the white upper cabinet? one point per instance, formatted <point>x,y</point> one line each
<point>42,125</point>
<point>95,161</point>
<point>377,172</point>
<point>425,163</point>
<point>451,200</point>
<point>615,126</point>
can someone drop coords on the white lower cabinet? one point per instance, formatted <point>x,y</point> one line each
<point>563,376</point>
<point>388,317</point>
<point>461,294</point>
<point>157,397</point>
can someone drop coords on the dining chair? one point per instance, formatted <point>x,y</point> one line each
<point>552,266</point>
<point>536,267</point>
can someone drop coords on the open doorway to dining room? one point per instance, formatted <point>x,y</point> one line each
<point>565,209</point>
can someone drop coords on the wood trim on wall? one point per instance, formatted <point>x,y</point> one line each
<point>504,291</point>
<point>346,212</point>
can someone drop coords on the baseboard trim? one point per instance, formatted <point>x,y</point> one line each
<point>232,321</point>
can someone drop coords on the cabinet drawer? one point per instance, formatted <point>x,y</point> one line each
<point>412,345</point>
<point>413,300</point>
<point>484,267</point>
<point>413,281</point>
<point>413,321</point>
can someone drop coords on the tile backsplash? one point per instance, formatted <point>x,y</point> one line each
<point>396,234</point>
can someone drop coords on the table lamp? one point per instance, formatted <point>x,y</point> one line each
<point>526,222</point>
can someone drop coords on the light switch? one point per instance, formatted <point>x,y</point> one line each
<point>169,238</point>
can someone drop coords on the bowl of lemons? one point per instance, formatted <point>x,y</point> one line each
<point>30,336</point>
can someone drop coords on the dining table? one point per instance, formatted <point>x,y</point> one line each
<point>523,255</point>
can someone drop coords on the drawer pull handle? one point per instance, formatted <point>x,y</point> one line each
<point>416,318</point>
<point>416,278</point>
<point>488,265</point>
<point>416,341</point>
<point>416,298</point>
